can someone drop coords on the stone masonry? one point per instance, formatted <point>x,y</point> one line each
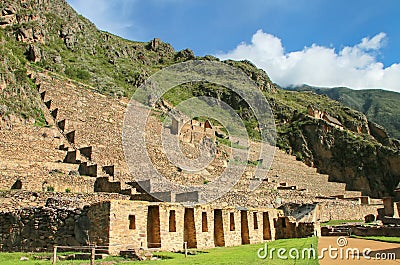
<point>166,226</point>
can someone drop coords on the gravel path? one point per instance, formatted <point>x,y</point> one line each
<point>379,251</point>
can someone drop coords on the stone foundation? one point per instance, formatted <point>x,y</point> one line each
<point>377,231</point>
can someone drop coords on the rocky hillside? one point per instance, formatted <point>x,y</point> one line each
<point>380,106</point>
<point>44,34</point>
<point>51,35</point>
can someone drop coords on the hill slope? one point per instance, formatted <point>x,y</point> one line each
<point>380,106</point>
<point>321,132</point>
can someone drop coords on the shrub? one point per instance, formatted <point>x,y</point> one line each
<point>77,73</point>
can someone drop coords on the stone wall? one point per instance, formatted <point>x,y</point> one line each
<point>195,132</point>
<point>58,183</point>
<point>345,210</point>
<point>40,228</point>
<point>376,231</point>
<point>287,227</point>
<point>31,155</point>
<point>122,224</point>
<point>136,224</point>
<point>99,216</point>
<point>97,121</point>
<point>12,200</point>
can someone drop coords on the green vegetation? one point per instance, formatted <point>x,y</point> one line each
<point>77,73</point>
<point>205,89</point>
<point>380,238</point>
<point>116,66</point>
<point>50,189</point>
<point>73,47</point>
<point>246,254</point>
<point>76,49</point>
<point>340,222</point>
<point>378,105</point>
<point>229,143</point>
<point>40,121</point>
<point>20,96</point>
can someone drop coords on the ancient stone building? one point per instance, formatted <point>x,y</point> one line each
<point>122,225</point>
<point>117,225</point>
<point>318,114</point>
<point>80,153</point>
<point>193,131</point>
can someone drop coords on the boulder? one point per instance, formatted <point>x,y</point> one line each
<point>35,54</point>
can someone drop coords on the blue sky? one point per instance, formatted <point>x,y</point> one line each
<point>319,42</point>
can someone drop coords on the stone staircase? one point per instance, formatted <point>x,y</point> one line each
<point>30,155</point>
<point>286,169</point>
<point>92,125</point>
<point>74,154</point>
<point>73,126</point>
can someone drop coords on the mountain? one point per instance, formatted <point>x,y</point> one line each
<point>48,35</point>
<point>380,106</point>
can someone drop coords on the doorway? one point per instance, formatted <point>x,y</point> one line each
<point>153,227</point>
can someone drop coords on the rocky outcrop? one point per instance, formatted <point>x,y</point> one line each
<point>8,16</point>
<point>379,133</point>
<point>185,55</point>
<point>51,32</point>
<point>27,25</point>
<point>35,54</point>
<point>56,38</point>
<point>259,76</point>
<point>362,164</point>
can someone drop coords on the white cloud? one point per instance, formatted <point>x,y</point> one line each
<point>356,66</point>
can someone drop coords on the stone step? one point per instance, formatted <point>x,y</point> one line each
<point>87,170</point>
<point>109,170</point>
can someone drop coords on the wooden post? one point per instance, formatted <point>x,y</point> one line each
<point>185,247</point>
<point>55,255</point>
<point>92,255</point>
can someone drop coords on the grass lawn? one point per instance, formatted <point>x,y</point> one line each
<point>230,255</point>
<point>340,222</point>
<point>380,238</point>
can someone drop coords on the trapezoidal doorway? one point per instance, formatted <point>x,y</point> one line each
<point>189,232</point>
<point>244,225</point>
<point>219,239</point>
<point>153,227</point>
<point>266,227</point>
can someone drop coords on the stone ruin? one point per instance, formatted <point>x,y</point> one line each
<point>322,115</point>
<point>86,157</point>
<point>193,131</point>
<point>386,222</point>
<point>120,225</point>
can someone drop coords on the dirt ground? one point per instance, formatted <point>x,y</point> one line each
<point>379,252</point>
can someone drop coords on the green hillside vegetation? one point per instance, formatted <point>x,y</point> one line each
<point>380,106</point>
<point>54,37</point>
<point>20,95</point>
<point>73,47</point>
